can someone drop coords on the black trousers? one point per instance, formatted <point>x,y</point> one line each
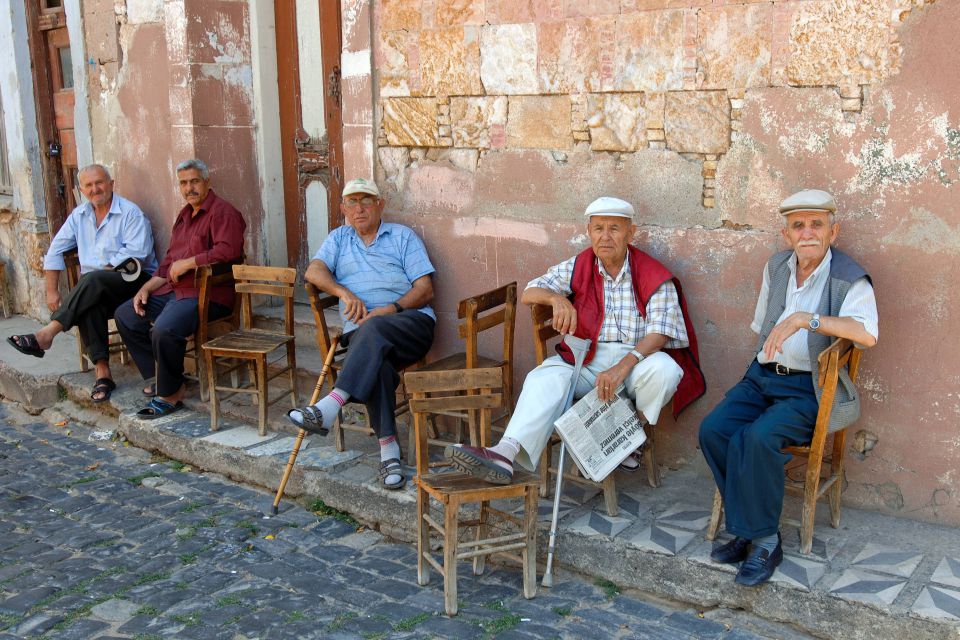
<point>376,351</point>
<point>157,341</point>
<point>90,304</point>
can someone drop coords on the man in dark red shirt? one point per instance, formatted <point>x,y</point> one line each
<point>157,322</point>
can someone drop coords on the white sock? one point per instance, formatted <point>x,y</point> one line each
<point>329,407</point>
<point>508,448</point>
<point>390,448</point>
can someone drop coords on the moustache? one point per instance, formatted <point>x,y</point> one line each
<point>193,193</point>
<point>809,243</point>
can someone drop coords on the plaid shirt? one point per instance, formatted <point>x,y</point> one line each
<point>621,322</point>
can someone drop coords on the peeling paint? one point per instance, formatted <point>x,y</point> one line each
<point>501,230</point>
<point>924,231</point>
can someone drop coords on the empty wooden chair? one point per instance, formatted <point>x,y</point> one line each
<point>543,331</point>
<point>496,531</point>
<point>841,353</point>
<point>253,347</point>
<point>480,313</point>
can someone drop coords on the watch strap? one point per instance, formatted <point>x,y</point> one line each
<point>396,305</point>
<point>639,356</point>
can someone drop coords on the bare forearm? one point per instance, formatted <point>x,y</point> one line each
<point>153,284</point>
<point>420,294</point>
<point>536,295</point>
<point>840,327</point>
<point>52,279</point>
<point>319,276</point>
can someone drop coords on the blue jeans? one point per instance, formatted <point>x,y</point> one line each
<point>742,440</point>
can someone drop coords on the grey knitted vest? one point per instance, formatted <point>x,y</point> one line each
<point>844,271</point>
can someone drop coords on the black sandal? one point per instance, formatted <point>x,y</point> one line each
<point>27,344</point>
<point>392,467</point>
<point>104,386</point>
<point>312,420</point>
<point>158,409</point>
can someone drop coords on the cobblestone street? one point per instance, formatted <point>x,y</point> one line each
<point>101,540</point>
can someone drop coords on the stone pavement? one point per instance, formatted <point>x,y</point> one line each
<point>102,541</point>
<point>873,572</point>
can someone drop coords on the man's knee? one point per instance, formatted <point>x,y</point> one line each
<point>124,315</point>
<point>657,369</point>
<point>711,427</point>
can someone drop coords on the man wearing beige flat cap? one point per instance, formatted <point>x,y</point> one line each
<point>632,310</point>
<point>810,295</point>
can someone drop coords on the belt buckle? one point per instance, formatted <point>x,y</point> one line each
<point>781,370</point>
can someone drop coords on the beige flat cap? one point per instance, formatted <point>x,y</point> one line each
<point>607,206</point>
<point>809,200</point>
<point>359,185</point>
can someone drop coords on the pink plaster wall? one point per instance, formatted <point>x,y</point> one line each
<point>894,169</point>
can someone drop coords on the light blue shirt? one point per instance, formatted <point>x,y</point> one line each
<point>124,233</point>
<point>379,274</point>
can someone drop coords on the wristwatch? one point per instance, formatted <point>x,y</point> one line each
<point>815,322</point>
<point>396,305</point>
<point>639,356</point>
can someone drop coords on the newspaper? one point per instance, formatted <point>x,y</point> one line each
<point>599,436</point>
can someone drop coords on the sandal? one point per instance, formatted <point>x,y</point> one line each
<point>312,420</point>
<point>632,462</point>
<point>391,467</point>
<point>158,408</point>
<point>26,344</point>
<point>102,389</point>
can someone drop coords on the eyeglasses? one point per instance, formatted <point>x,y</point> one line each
<point>365,202</point>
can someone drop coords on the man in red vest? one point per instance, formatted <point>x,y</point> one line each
<point>633,311</point>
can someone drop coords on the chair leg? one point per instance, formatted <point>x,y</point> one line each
<point>338,431</point>
<point>809,514</point>
<point>292,363</point>
<point>480,561</point>
<point>202,378</point>
<point>545,470</point>
<point>530,552</point>
<point>715,516</point>
<point>837,471</point>
<point>650,458</point>
<point>450,522</point>
<point>212,381</point>
<point>610,495</point>
<point>84,365</point>
<point>262,394</point>
<point>423,537</point>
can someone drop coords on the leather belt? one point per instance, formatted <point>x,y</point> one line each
<point>781,370</point>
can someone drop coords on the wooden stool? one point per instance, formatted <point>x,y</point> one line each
<point>448,391</point>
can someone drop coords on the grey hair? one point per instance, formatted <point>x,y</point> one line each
<point>194,163</point>
<point>94,167</point>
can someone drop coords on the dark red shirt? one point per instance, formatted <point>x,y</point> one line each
<point>214,234</point>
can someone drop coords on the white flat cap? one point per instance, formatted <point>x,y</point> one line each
<point>809,200</point>
<point>359,185</point>
<point>607,206</point>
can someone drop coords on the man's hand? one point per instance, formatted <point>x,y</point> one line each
<point>180,267</point>
<point>564,315</point>
<point>379,311</point>
<point>784,329</point>
<point>610,380</point>
<point>140,302</point>
<point>353,308</point>
<point>53,300</point>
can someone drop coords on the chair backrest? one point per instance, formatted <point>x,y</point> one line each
<point>452,390</point>
<point>268,281</point>
<point>543,331</point>
<point>486,311</point>
<point>72,260</point>
<point>319,303</point>
<point>209,276</point>
<point>842,352</point>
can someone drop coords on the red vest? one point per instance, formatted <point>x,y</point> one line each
<point>647,274</point>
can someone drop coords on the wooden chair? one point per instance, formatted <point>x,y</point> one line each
<point>467,390</point>
<point>252,346</point>
<point>478,314</point>
<point>114,341</point>
<point>209,276</point>
<point>319,303</point>
<point>543,331</point>
<point>842,353</point>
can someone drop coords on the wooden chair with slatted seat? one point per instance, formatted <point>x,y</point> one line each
<point>320,302</point>
<point>114,341</point>
<point>477,314</point>
<point>543,332</point>
<point>841,353</point>
<point>252,346</point>
<point>495,531</point>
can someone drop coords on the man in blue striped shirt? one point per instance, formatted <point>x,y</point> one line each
<point>382,275</point>
<point>106,230</point>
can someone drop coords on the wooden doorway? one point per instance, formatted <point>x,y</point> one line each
<point>53,84</point>
<point>311,123</point>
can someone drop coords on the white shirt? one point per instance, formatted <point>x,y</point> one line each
<point>859,304</point>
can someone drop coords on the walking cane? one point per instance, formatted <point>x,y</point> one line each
<point>579,347</point>
<point>327,363</point>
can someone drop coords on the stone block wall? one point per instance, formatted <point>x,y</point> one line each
<point>498,121</point>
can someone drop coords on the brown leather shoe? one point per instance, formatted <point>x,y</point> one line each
<point>479,463</point>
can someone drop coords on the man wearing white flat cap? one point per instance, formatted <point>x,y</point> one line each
<point>810,295</point>
<point>632,310</point>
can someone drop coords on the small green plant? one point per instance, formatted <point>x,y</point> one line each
<point>188,619</point>
<point>188,558</point>
<point>74,483</point>
<point>193,506</point>
<point>495,605</point>
<point>340,620</point>
<point>294,616</point>
<point>408,624</point>
<point>138,480</point>
<point>147,610</point>
<point>228,601</point>
<point>610,589</point>
<point>324,510</point>
<point>249,526</point>
<point>493,628</point>
<point>563,612</point>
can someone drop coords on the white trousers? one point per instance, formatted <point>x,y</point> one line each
<point>650,385</point>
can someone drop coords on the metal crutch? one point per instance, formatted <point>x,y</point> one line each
<point>579,347</point>
<point>327,364</point>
